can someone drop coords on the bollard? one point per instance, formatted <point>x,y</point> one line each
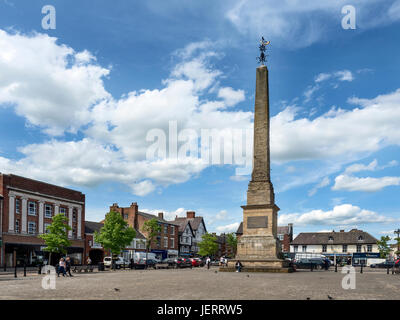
<point>15,271</point>
<point>5,267</point>
<point>336,267</point>
<point>387,270</point>
<point>361,271</point>
<point>24,269</point>
<point>39,269</point>
<point>312,267</point>
<point>393,270</point>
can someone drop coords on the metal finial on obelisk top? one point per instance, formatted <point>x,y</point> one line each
<point>263,46</point>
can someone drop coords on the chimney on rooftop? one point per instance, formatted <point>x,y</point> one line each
<point>190,214</point>
<point>341,230</point>
<point>161,215</point>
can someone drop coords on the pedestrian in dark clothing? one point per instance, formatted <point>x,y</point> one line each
<point>61,267</point>
<point>68,266</point>
<point>238,266</point>
<point>208,262</point>
<point>326,264</point>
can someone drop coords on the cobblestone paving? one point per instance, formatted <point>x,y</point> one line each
<point>200,283</point>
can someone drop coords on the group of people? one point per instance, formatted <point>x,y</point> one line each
<point>224,262</point>
<point>64,267</point>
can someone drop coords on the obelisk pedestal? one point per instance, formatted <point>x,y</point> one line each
<point>258,247</point>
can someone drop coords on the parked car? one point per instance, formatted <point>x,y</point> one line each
<point>182,263</point>
<point>318,263</point>
<point>151,263</point>
<point>386,264</point>
<point>195,262</point>
<point>119,262</point>
<point>166,264</point>
<point>107,262</point>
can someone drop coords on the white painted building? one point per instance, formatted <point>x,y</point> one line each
<point>337,245</point>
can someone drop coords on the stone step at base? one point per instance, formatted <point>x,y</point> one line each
<point>258,269</point>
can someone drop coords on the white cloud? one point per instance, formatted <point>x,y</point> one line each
<point>231,96</point>
<point>357,167</point>
<point>71,95</point>
<point>297,24</point>
<point>322,77</point>
<point>51,85</point>
<point>345,214</point>
<point>228,228</point>
<point>346,134</point>
<point>324,182</point>
<point>344,75</point>
<point>350,183</point>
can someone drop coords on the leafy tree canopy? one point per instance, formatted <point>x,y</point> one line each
<point>208,246</point>
<point>116,234</point>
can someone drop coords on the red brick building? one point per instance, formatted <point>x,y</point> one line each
<point>27,209</point>
<point>166,243</point>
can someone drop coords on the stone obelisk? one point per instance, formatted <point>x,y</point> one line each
<point>258,247</point>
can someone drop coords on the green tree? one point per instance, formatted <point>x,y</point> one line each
<point>232,241</point>
<point>384,247</point>
<point>151,228</point>
<point>116,234</point>
<point>208,245</point>
<point>397,244</point>
<point>56,239</point>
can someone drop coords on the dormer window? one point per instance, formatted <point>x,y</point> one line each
<point>330,238</point>
<point>360,238</point>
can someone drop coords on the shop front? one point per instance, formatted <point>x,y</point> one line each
<point>160,254</point>
<point>172,253</point>
<point>363,258</point>
<point>31,255</point>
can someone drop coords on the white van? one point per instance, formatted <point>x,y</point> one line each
<point>139,259</point>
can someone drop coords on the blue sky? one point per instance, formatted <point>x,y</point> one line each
<point>77,102</point>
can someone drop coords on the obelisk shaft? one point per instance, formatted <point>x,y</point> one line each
<point>260,191</point>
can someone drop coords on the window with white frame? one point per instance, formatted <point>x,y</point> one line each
<point>48,210</point>
<point>344,248</point>
<point>166,242</point>
<point>165,229</point>
<point>281,237</point>
<point>32,208</point>
<point>172,230</point>
<point>46,227</point>
<point>74,215</point>
<point>296,248</point>
<point>369,247</point>
<point>359,248</point>
<point>31,227</point>
<point>172,242</point>
<point>324,248</point>
<point>17,225</point>
<point>304,248</point>
<point>63,211</point>
<point>17,205</point>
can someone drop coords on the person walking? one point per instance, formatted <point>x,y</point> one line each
<point>61,267</point>
<point>238,266</point>
<point>208,262</point>
<point>89,261</point>
<point>68,266</point>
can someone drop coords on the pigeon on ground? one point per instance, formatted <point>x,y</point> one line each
<point>116,289</point>
<point>329,297</point>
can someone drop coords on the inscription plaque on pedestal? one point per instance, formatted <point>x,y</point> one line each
<point>257,222</point>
